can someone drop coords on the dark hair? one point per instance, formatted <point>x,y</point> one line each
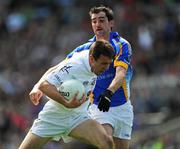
<point>108,11</point>
<point>102,47</point>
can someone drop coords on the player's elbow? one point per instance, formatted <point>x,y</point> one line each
<point>43,86</point>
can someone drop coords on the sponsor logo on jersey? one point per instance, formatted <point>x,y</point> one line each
<point>65,69</point>
<point>65,94</point>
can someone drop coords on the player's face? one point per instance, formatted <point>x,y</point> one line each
<point>100,65</point>
<point>100,24</point>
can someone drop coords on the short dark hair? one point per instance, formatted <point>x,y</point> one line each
<point>102,47</point>
<point>108,11</point>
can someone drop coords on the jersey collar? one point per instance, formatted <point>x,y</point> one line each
<point>113,35</point>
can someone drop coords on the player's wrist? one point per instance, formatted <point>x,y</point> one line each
<point>112,90</point>
<point>66,103</point>
<point>108,93</point>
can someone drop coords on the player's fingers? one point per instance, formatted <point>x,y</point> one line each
<point>100,107</point>
<point>37,94</point>
<point>32,99</point>
<point>31,96</point>
<point>35,102</point>
<point>40,95</point>
<point>75,96</point>
<point>84,98</point>
<point>35,98</point>
<point>77,93</point>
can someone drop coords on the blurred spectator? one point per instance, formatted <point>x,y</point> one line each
<point>15,22</point>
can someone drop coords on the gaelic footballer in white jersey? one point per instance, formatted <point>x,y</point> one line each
<point>60,118</point>
<point>55,116</point>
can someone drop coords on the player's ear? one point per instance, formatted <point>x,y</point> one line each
<point>91,59</point>
<point>111,23</point>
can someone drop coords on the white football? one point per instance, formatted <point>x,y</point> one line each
<point>70,87</point>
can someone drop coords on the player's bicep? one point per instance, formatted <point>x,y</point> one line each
<point>121,71</point>
<point>123,58</point>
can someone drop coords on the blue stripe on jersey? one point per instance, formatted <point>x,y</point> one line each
<point>123,58</point>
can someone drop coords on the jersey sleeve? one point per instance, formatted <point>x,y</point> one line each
<point>123,56</point>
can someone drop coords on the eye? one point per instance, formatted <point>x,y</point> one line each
<point>94,21</point>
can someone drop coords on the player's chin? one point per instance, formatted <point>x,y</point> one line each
<point>99,73</point>
<point>99,32</point>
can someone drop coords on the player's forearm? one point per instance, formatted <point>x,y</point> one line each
<point>118,79</point>
<point>51,91</point>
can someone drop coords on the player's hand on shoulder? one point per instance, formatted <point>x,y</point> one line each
<point>35,95</point>
<point>74,103</point>
<point>105,100</point>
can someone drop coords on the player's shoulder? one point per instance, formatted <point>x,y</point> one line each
<point>124,41</point>
<point>78,58</point>
<point>117,38</point>
<point>121,39</point>
<point>121,43</point>
<point>86,45</point>
<point>126,45</point>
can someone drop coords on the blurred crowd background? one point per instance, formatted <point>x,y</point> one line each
<point>37,34</point>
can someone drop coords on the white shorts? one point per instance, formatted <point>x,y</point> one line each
<point>120,118</point>
<point>57,122</point>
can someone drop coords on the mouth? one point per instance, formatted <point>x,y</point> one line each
<point>99,29</point>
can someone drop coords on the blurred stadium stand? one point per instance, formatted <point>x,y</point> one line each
<point>36,34</point>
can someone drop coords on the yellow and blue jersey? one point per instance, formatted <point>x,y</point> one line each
<point>123,55</point>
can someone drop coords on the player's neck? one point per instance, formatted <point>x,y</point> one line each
<point>102,37</point>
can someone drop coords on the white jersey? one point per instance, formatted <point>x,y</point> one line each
<point>77,67</point>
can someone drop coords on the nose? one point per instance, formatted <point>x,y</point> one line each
<point>98,23</point>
